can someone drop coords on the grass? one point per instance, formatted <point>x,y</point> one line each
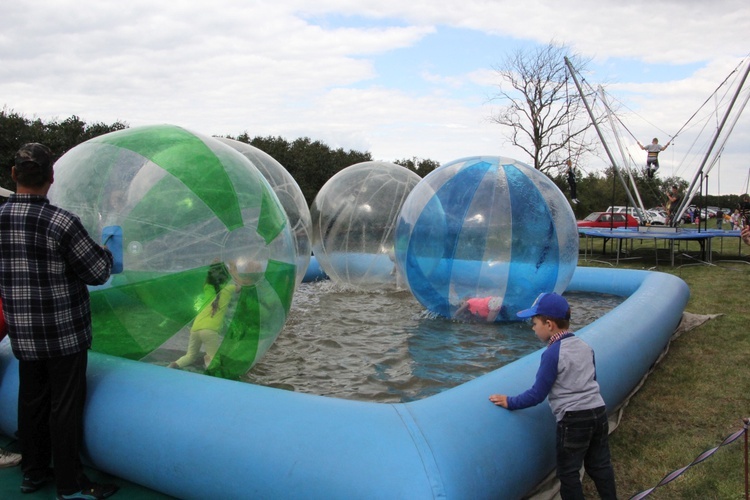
<point>700,392</point>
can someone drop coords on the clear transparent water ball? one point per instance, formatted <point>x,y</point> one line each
<point>354,217</point>
<point>290,195</point>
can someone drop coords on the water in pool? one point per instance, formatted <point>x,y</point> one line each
<point>385,347</point>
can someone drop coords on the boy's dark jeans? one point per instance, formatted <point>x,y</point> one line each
<point>582,439</point>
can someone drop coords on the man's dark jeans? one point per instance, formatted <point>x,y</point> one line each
<point>582,439</point>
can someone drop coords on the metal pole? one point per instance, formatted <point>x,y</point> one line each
<point>598,130</point>
<point>640,207</point>
<point>717,156</point>
<point>683,204</point>
<point>747,481</point>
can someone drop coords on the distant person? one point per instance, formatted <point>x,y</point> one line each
<point>486,308</point>
<point>652,156</point>
<point>46,260</point>
<point>719,219</point>
<point>572,182</point>
<point>567,378</point>
<point>673,195</point>
<point>735,220</point>
<point>744,208</point>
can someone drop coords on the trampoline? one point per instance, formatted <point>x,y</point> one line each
<point>668,234</point>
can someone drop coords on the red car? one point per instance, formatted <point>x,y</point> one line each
<point>608,219</point>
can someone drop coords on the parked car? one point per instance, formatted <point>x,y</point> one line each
<point>621,210</point>
<point>656,217</point>
<point>608,219</point>
<point>711,212</point>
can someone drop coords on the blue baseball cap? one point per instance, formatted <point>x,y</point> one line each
<point>547,304</point>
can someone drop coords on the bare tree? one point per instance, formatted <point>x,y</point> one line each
<point>543,111</point>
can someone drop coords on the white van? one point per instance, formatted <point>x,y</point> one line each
<point>621,210</point>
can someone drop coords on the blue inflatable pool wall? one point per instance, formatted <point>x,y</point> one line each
<point>192,436</point>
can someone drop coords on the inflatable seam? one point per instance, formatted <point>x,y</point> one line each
<point>432,471</point>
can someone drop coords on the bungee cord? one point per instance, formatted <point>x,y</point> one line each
<point>718,97</point>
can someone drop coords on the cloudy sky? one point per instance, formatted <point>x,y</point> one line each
<point>398,79</point>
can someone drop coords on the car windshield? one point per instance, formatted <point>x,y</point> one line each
<point>592,216</point>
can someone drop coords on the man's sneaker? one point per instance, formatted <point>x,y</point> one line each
<point>9,459</point>
<point>30,485</point>
<point>93,491</point>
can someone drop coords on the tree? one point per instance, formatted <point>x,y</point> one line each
<point>543,111</point>
<point>598,190</point>
<point>420,166</point>
<point>315,163</point>
<point>310,163</point>
<point>58,136</point>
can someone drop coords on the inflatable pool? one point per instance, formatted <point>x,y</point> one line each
<point>192,436</point>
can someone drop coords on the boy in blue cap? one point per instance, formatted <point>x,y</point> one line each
<point>567,374</point>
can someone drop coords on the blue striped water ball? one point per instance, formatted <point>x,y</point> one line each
<point>485,226</point>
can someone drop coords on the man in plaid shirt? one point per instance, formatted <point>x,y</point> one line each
<point>46,260</point>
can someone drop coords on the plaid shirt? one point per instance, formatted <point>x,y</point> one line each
<point>46,260</point>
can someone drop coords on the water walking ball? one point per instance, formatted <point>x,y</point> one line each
<point>488,228</point>
<point>354,217</point>
<point>177,208</point>
<point>290,195</point>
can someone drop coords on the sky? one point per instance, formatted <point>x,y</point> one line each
<point>398,79</point>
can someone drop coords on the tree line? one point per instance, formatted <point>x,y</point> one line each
<point>596,191</point>
<point>59,136</point>
<point>312,163</point>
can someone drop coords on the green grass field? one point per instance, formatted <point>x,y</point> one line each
<point>700,392</point>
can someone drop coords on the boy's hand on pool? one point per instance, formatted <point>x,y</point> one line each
<point>500,400</point>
